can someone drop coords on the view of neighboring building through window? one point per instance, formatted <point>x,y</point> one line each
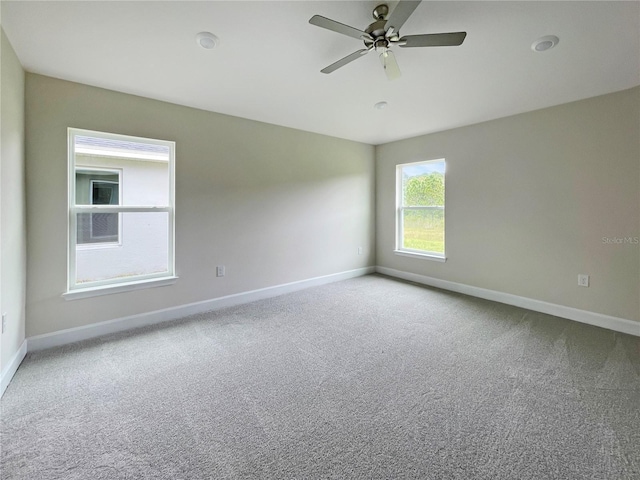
<point>420,208</point>
<point>97,187</point>
<point>121,192</point>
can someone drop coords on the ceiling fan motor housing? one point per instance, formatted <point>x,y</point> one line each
<point>380,35</point>
<point>376,29</point>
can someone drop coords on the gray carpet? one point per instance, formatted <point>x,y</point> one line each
<point>366,378</point>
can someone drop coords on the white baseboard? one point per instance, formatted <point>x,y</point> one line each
<point>71,335</point>
<point>63,337</point>
<point>12,367</point>
<point>622,325</point>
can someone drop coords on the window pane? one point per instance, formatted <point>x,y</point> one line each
<point>143,248</point>
<point>100,177</point>
<point>112,245</point>
<point>423,185</point>
<point>423,230</point>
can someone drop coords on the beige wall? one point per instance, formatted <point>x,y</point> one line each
<point>12,199</point>
<point>274,205</point>
<point>529,199</point>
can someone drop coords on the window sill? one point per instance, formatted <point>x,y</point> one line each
<point>424,256</point>
<point>118,288</point>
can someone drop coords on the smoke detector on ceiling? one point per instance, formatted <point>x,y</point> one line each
<point>207,40</point>
<point>545,43</point>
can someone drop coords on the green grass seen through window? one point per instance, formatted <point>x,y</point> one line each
<point>424,230</point>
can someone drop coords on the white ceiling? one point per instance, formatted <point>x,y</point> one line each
<point>267,66</point>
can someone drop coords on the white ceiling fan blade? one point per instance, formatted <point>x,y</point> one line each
<point>388,60</point>
<point>338,27</point>
<point>342,62</point>
<point>401,13</point>
<point>433,40</point>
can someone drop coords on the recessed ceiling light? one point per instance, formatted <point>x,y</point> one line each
<point>545,43</point>
<point>380,105</point>
<point>207,40</point>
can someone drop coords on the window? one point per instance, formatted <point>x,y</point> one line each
<point>98,187</point>
<point>121,212</point>
<point>420,208</point>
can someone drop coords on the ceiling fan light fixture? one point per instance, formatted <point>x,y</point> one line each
<point>390,65</point>
<point>545,43</point>
<point>207,40</point>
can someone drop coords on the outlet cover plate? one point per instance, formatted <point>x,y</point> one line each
<point>583,280</point>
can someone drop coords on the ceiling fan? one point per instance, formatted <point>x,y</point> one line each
<point>383,33</point>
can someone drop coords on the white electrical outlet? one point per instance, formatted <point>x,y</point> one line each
<point>4,322</point>
<point>359,250</point>
<point>583,280</point>
<point>220,271</point>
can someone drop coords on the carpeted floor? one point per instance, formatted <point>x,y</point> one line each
<point>366,378</point>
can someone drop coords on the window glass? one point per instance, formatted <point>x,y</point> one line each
<point>121,209</point>
<point>420,217</point>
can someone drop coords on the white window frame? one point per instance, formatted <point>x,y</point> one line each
<point>103,287</point>
<point>400,208</point>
